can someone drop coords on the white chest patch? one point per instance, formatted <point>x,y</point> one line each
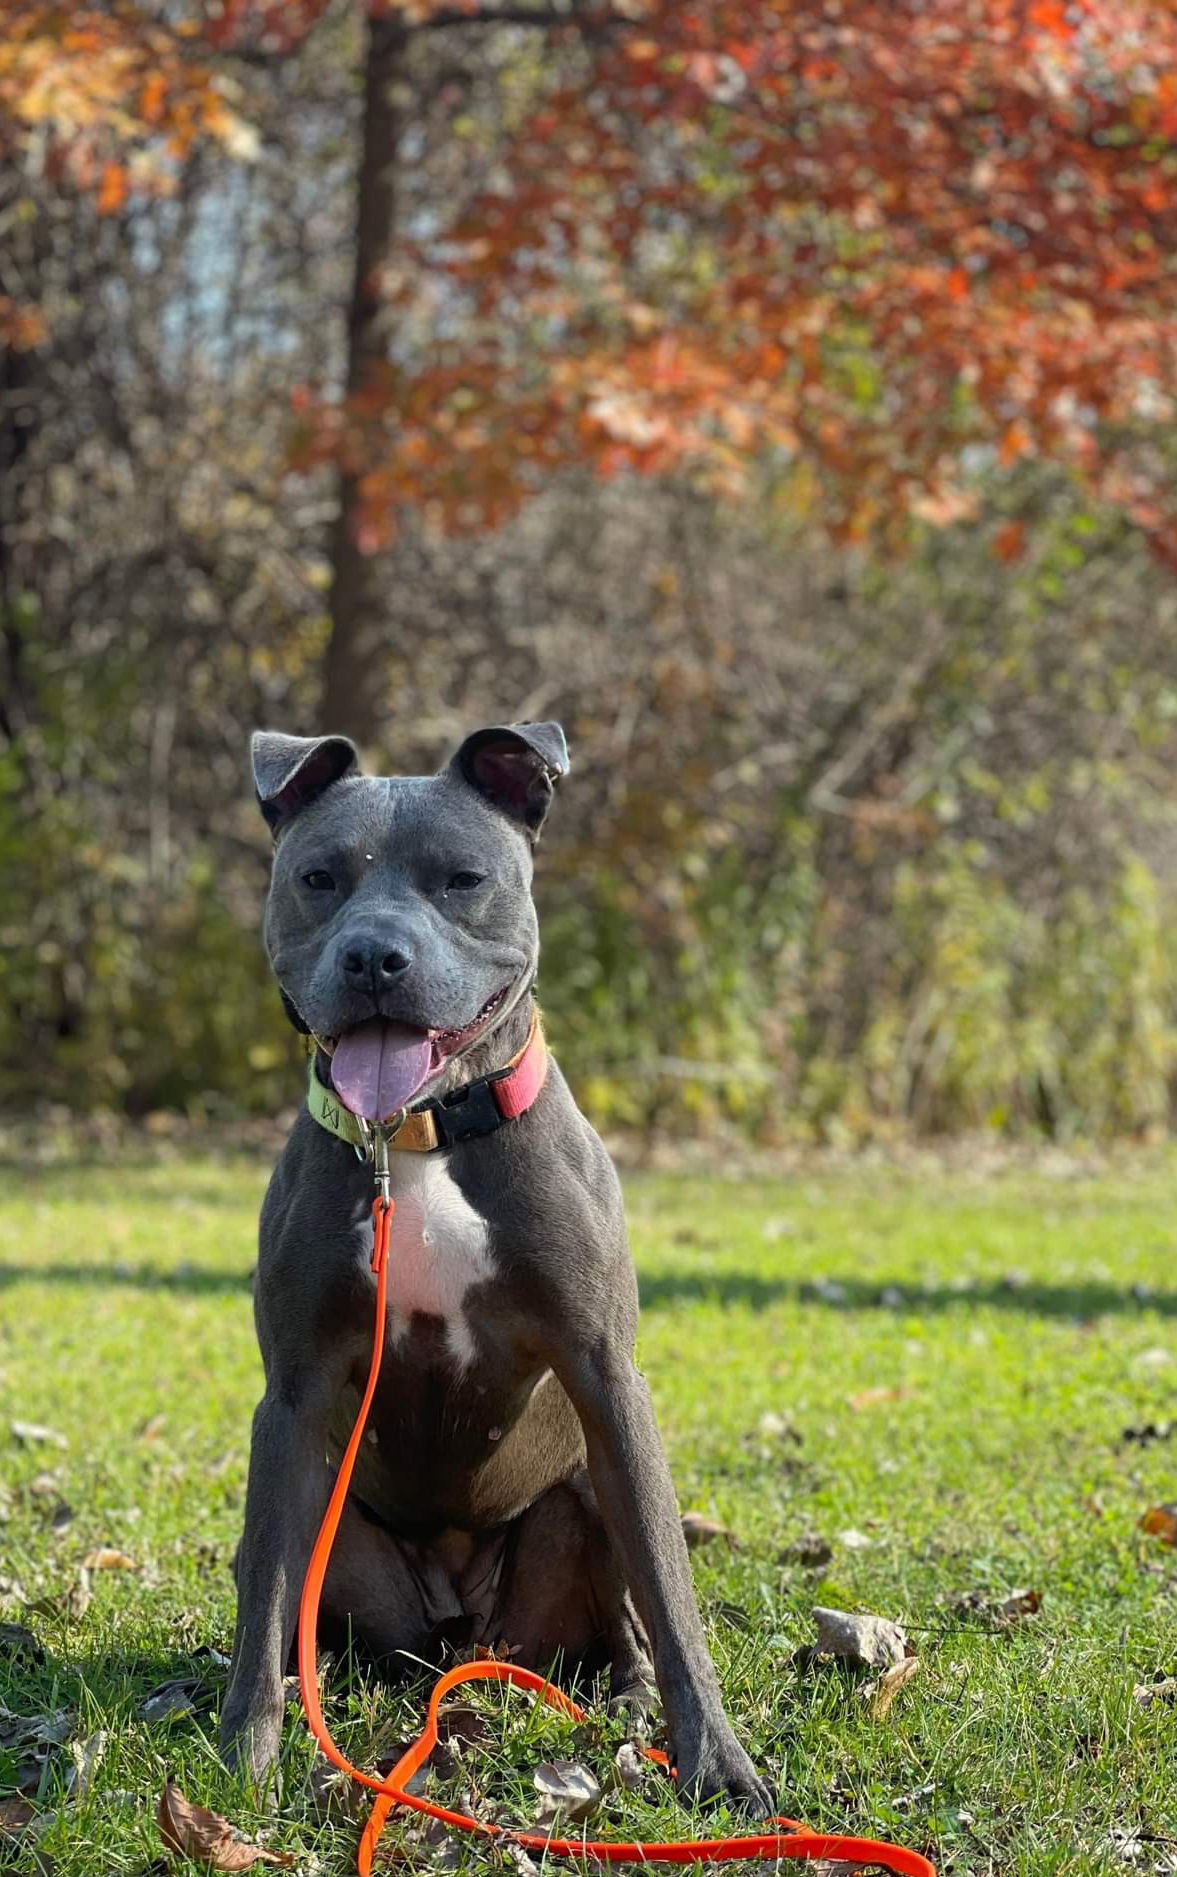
<point>438,1249</point>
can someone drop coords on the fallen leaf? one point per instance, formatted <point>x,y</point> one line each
<point>86,1756</point>
<point>15,1814</point>
<point>811,1551</point>
<point>881,1693</point>
<point>876,1398</point>
<point>631,1768</point>
<point>1019,1603</point>
<point>870,1641</point>
<point>151,1429</point>
<point>30,1432</point>
<point>567,1790</point>
<point>462,1726</point>
<point>1164,1691</point>
<point>1161,1522</point>
<point>46,1730</point>
<point>699,1530</point>
<point>106,1558</point>
<point>15,1639</point>
<point>184,1694</point>
<point>193,1831</point>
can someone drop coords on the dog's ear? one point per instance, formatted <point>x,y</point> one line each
<point>291,771</point>
<point>516,768</point>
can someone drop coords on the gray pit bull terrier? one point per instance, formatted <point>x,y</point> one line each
<point>512,1487</point>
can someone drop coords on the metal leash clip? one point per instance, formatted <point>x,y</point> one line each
<point>377,1137</point>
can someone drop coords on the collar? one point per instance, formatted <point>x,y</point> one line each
<point>464,1114</point>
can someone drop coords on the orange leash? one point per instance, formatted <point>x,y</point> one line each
<point>797,1841</point>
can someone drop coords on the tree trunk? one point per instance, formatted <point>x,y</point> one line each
<point>357,671</point>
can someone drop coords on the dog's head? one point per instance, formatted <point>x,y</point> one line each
<point>400,923</point>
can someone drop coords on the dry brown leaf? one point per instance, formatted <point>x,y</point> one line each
<point>566,1790</point>
<point>15,1814</point>
<point>881,1693</point>
<point>699,1530</point>
<point>1148,1692</point>
<point>876,1398</point>
<point>1019,1603</point>
<point>871,1641</point>
<point>1161,1522</point>
<point>151,1429</point>
<point>811,1551</point>
<point>106,1558</point>
<point>193,1831</point>
<point>462,1726</point>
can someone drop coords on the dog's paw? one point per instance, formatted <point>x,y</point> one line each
<point>249,1746</point>
<point>716,1768</point>
<point>631,1696</point>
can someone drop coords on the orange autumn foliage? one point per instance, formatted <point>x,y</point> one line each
<point>883,242</point>
<point>875,245</point>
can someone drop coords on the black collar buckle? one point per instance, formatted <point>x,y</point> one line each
<point>466,1113</point>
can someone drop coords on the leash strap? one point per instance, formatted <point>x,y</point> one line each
<point>796,1841</point>
<point>474,1109</point>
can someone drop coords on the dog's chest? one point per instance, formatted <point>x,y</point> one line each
<point>438,1250</point>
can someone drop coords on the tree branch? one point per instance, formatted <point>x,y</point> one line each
<point>500,16</point>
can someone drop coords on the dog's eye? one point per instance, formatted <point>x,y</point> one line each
<point>464,882</point>
<point>318,881</point>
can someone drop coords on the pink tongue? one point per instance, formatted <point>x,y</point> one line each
<point>379,1067</point>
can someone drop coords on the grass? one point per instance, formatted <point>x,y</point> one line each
<point>959,1357</point>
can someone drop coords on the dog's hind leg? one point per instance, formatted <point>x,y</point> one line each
<point>382,1594</point>
<point>564,1600</point>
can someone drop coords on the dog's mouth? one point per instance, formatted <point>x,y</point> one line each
<point>379,1066</point>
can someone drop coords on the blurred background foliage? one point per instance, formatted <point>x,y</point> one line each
<point>856,844</point>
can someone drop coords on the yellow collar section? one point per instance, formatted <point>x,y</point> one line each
<point>418,1133</point>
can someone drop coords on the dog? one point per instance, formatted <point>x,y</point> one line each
<point>512,1487</point>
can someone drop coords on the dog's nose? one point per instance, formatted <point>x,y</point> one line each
<point>376,963</point>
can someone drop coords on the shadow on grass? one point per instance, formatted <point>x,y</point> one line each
<point>1075,1302</point>
<point>186,1184</point>
<point>201,1280</point>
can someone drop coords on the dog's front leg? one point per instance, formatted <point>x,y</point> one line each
<point>633,1486</point>
<point>287,1493</point>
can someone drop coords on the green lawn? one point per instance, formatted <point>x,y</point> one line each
<point>1015,1325</point>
